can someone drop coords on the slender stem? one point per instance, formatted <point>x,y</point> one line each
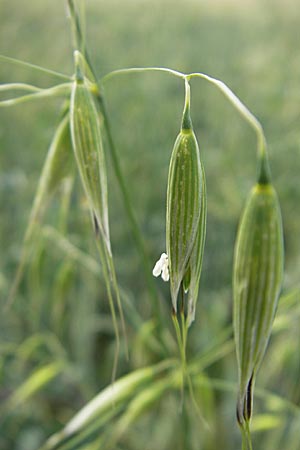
<point>141,69</point>
<point>248,434</point>
<point>118,298</point>
<point>183,329</point>
<point>76,27</point>
<point>185,370</point>
<point>178,334</point>
<point>240,106</point>
<point>182,355</point>
<point>105,268</point>
<point>264,171</point>
<point>19,87</point>
<point>35,67</point>
<point>244,439</point>
<point>186,117</point>
<point>61,89</point>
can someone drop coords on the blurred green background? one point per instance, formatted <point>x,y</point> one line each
<point>60,312</point>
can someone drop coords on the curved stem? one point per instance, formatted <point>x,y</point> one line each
<point>35,67</point>
<point>19,87</point>
<point>236,102</point>
<point>61,89</point>
<point>240,106</point>
<point>141,69</point>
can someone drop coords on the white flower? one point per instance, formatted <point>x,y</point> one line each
<point>162,267</point>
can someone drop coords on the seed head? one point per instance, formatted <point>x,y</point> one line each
<point>185,217</point>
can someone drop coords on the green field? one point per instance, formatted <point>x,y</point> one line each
<point>60,320</point>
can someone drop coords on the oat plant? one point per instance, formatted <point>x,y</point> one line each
<point>82,144</point>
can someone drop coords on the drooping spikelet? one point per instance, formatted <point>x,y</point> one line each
<point>257,279</point>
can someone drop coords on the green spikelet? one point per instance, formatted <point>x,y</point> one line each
<point>90,159</point>
<point>88,147</point>
<point>257,279</point>
<point>186,215</point>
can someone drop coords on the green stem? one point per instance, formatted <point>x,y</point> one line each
<point>186,118</point>
<point>181,353</point>
<point>264,170</point>
<point>178,334</point>
<point>184,328</point>
<point>248,435</point>
<point>61,89</point>
<point>237,103</point>
<point>115,73</point>
<point>241,108</point>
<point>76,28</point>
<point>35,67</point>
<point>117,296</point>
<point>106,274</point>
<point>244,439</point>
<point>19,87</point>
<point>185,370</point>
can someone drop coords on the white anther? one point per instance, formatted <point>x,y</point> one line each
<point>162,267</point>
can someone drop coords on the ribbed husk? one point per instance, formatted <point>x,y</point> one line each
<point>257,279</point>
<point>88,149</point>
<point>196,258</point>
<point>186,214</point>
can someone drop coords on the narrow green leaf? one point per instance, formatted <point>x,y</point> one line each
<point>56,168</point>
<point>137,407</point>
<point>111,396</point>
<point>35,383</point>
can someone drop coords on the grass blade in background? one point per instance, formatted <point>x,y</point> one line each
<point>56,168</point>
<point>36,382</point>
<point>110,397</point>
